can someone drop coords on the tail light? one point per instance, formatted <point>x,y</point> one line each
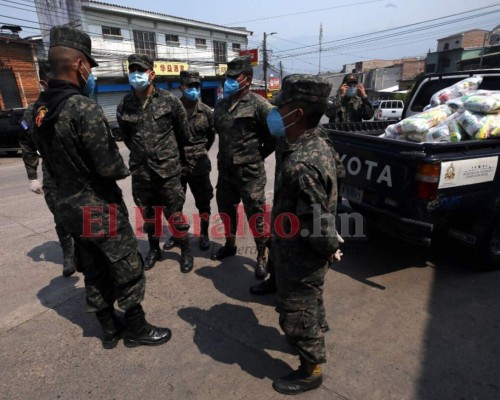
<point>427,181</point>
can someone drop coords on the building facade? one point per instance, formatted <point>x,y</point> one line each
<point>18,72</point>
<point>174,43</point>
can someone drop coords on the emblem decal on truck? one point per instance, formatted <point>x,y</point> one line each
<point>370,169</point>
<point>468,172</point>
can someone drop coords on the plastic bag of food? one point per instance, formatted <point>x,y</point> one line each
<point>479,101</point>
<point>456,130</point>
<point>424,121</point>
<point>457,90</point>
<point>490,127</point>
<point>390,132</point>
<point>469,122</point>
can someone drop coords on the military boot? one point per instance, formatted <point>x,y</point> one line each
<point>139,332</point>
<point>170,243</point>
<point>186,256</point>
<point>260,267</point>
<point>68,255</point>
<point>307,377</point>
<point>153,255</point>
<point>228,250</point>
<point>266,287</point>
<point>204,240</point>
<point>112,327</point>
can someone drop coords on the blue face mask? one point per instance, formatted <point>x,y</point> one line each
<point>192,94</point>
<point>275,122</point>
<point>351,91</point>
<point>232,86</point>
<point>90,83</point>
<point>139,80</point>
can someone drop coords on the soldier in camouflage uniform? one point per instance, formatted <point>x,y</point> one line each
<point>244,143</point>
<point>196,171</point>
<point>31,160</point>
<point>351,103</point>
<point>155,129</point>
<point>304,236</point>
<point>73,138</point>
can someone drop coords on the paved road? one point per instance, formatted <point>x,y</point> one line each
<point>406,324</point>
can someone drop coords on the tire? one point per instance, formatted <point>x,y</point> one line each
<point>489,253</point>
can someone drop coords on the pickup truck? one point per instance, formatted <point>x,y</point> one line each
<point>425,192</point>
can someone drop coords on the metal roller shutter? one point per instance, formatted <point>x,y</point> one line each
<point>109,101</point>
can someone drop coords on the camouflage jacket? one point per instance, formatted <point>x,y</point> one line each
<point>202,136</point>
<point>243,133</point>
<point>29,152</point>
<point>349,109</point>
<point>304,208</point>
<point>30,155</point>
<point>84,162</point>
<point>155,135</point>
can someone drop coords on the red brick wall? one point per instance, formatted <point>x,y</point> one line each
<point>473,39</point>
<point>19,57</point>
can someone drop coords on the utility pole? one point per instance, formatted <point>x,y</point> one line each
<point>320,44</point>
<point>482,50</point>
<point>281,71</point>
<point>264,66</point>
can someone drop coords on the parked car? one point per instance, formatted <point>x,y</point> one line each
<point>388,109</point>
<point>10,127</point>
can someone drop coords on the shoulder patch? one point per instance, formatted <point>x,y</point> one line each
<point>40,115</point>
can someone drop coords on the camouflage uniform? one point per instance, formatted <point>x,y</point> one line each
<point>244,143</point>
<point>155,133</point>
<point>348,109</point>
<point>307,178</point>
<point>84,162</point>
<point>31,160</point>
<point>196,171</point>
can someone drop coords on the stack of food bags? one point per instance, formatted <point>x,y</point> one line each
<point>456,113</point>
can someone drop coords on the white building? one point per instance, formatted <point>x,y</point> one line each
<point>173,43</point>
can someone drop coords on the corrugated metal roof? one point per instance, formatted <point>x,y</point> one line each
<point>157,15</point>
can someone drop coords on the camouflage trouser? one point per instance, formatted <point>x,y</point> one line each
<point>109,276</point>
<point>150,190</point>
<point>49,192</point>
<point>202,190</point>
<point>244,183</point>
<point>302,316</point>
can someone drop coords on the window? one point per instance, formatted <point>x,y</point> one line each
<point>446,46</point>
<point>145,43</point>
<point>172,40</point>
<point>220,52</point>
<point>112,31</point>
<point>200,43</point>
<point>236,47</point>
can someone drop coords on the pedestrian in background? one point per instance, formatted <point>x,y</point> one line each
<point>306,190</point>
<point>155,129</point>
<point>74,141</point>
<point>196,171</point>
<point>31,159</point>
<point>244,144</point>
<point>351,103</point>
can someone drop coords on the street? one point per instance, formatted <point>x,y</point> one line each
<point>406,323</point>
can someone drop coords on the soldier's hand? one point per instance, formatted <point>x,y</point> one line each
<point>361,90</point>
<point>35,186</point>
<point>337,256</point>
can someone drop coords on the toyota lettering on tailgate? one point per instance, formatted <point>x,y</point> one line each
<point>372,170</point>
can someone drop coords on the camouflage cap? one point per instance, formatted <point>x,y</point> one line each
<point>350,78</point>
<point>238,65</point>
<point>302,87</point>
<point>188,77</point>
<point>142,60</point>
<point>66,36</point>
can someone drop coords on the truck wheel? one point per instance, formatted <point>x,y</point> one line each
<point>490,253</point>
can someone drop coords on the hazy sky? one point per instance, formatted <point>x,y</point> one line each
<point>349,27</point>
